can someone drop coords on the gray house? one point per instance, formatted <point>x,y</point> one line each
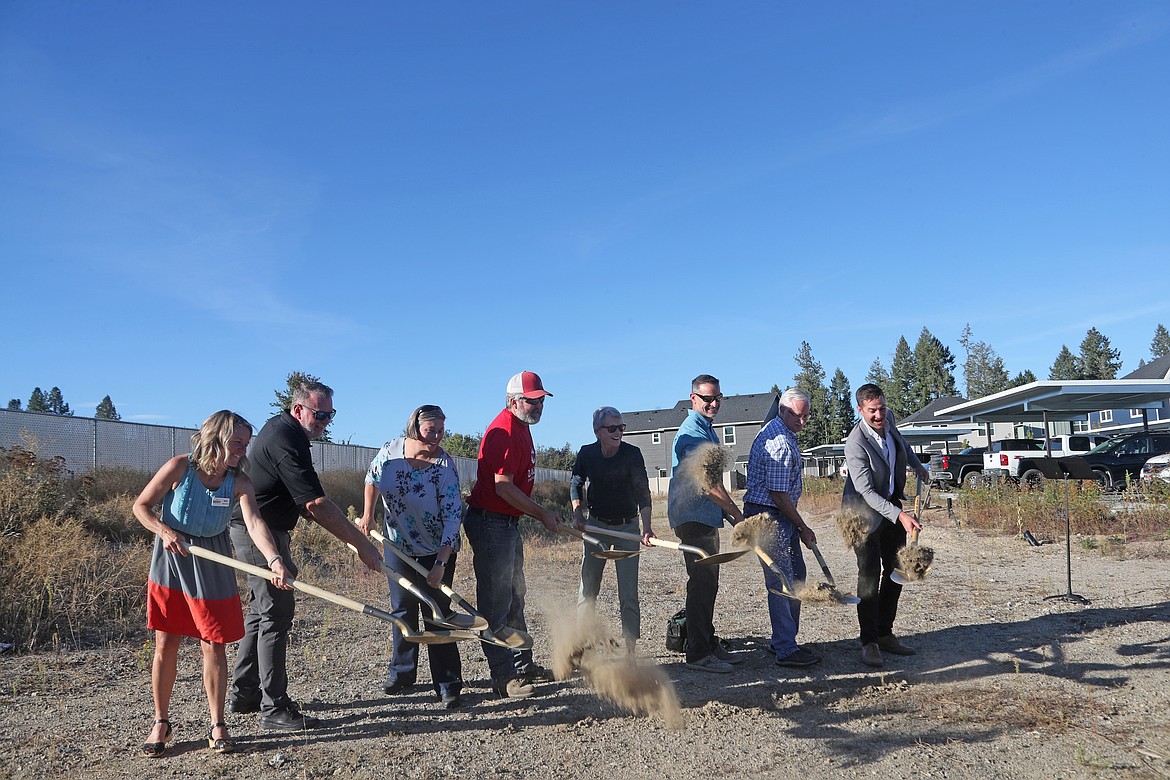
<point>740,419</point>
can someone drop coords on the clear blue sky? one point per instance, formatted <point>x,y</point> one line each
<point>416,200</point>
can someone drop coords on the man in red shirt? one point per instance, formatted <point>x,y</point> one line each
<point>505,474</point>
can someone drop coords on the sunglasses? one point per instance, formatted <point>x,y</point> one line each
<point>320,416</point>
<point>801,417</point>
<point>710,399</point>
<point>613,428</point>
<point>533,401</point>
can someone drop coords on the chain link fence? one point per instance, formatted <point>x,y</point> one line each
<point>86,443</point>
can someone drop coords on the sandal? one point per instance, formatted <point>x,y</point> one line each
<point>222,745</point>
<point>156,749</point>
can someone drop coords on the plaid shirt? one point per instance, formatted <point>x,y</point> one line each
<point>774,464</point>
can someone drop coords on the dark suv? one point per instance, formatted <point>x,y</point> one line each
<point>1124,455</point>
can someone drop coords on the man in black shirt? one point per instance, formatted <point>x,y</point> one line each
<point>287,487</point>
<point>618,496</point>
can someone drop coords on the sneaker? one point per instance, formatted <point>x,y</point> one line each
<point>516,688</point>
<point>726,656</point>
<point>799,657</point>
<point>710,664</point>
<point>871,655</point>
<point>891,645</point>
<point>536,673</point>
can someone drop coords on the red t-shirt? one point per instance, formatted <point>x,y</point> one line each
<point>506,448</point>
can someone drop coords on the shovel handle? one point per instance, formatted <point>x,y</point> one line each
<point>409,585</point>
<point>571,531</point>
<point>312,590</point>
<point>914,538</point>
<point>771,564</point>
<point>419,568</point>
<point>824,566</point>
<point>654,541</point>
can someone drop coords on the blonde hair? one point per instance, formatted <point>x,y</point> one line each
<point>209,443</point>
<point>421,415</point>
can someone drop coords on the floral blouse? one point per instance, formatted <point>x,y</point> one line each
<point>423,506</point>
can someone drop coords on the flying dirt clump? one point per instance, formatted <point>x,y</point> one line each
<point>703,467</point>
<point>913,561</point>
<point>853,527</point>
<point>757,531</point>
<point>636,686</point>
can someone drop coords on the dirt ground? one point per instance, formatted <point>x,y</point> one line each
<point>1006,684</point>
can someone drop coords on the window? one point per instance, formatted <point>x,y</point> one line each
<point>729,434</point>
<point>661,472</point>
<point>1080,426</point>
<point>656,438</point>
<point>1135,413</point>
<point>1107,416</point>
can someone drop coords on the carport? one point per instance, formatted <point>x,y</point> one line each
<point>1054,400</point>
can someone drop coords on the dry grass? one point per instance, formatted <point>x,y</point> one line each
<point>1000,708</point>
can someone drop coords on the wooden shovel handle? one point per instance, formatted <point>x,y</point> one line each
<point>654,541</point>
<point>421,570</point>
<point>409,585</point>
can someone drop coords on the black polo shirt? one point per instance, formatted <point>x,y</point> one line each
<point>282,472</point>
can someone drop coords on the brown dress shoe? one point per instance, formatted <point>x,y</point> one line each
<point>871,655</point>
<point>891,645</point>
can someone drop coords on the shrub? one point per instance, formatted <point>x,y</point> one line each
<point>344,488</point>
<point>31,488</point>
<point>113,482</point>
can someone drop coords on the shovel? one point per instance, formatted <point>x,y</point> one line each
<point>901,576</point>
<point>786,584</point>
<point>457,622</point>
<point>832,585</point>
<point>419,637</point>
<point>507,637</point>
<point>602,551</point>
<point>704,558</point>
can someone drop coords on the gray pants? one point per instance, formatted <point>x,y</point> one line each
<point>627,579</point>
<point>260,672</point>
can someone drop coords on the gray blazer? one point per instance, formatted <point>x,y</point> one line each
<point>868,479</point>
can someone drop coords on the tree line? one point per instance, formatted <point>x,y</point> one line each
<point>915,377</point>
<point>53,402</point>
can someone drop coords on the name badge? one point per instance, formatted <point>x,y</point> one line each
<point>220,501</point>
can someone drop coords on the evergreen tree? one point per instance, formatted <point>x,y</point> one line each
<point>106,410</point>
<point>810,377</point>
<point>462,445</point>
<point>1024,377</point>
<point>983,370</point>
<point>934,371</point>
<point>37,401</point>
<point>877,374</point>
<point>841,414</point>
<point>1098,360</point>
<point>1160,346</point>
<point>14,405</point>
<point>556,457</point>
<point>56,403</point>
<point>1064,367</point>
<point>901,384</point>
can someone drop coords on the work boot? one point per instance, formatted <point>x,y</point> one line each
<point>871,655</point>
<point>516,688</point>
<point>891,644</point>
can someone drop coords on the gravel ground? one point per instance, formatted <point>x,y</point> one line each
<point>1006,684</point>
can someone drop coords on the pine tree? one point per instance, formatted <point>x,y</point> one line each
<point>37,402</point>
<point>983,370</point>
<point>462,445</point>
<point>1160,346</point>
<point>901,383</point>
<point>841,414</point>
<point>1064,368</point>
<point>810,377</point>
<point>14,405</point>
<point>934,371</point>
<point>1098,360</point>
<point>1024,377</point>
<point>877,374</point>
<point>56,403</point>
<point>106,410</point>
<point>283,402</point>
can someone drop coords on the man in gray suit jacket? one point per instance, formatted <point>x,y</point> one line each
<point>876,457</point>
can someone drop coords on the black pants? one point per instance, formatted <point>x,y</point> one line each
<point>877,557</point>
<point>702,588</point>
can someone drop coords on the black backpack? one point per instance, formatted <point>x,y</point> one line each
<point>676,632</point>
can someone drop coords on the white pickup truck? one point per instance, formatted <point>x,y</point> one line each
<point>1016,458</point>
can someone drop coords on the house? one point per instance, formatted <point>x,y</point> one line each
<point>740,418</point>
<point>1118,421</point>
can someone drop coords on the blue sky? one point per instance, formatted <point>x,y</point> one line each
<point>416,200</point>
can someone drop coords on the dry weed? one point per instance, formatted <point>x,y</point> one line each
<point>1024,710</point>
<point>636,686</point>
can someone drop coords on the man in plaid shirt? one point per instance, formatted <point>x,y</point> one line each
<point>773,487</point>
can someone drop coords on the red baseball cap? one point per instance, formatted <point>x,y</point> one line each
<point>527,384</point>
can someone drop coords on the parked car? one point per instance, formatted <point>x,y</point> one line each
<point>1157,467</point>
<point>959,468</point>
<point>1120,459</point>
<point>1018,459</point>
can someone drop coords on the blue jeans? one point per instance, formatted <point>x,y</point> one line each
<point>785,552</point>
<point>627,578</point>
<point>499,585</point>
<point>446,666</point>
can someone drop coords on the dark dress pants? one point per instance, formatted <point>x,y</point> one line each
<point>877,557</point>
<point>702,588</point>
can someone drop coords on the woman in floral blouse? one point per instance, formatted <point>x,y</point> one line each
<point>420,498</point>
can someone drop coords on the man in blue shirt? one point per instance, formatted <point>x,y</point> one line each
<point>696,517</point>
<point>774,485</point>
